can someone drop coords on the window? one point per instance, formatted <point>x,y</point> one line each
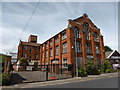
<point>43,47</point>
<point>86,27</point>
<point>24,55</point>
<point>37,48</point>
<point>96,36</point>
<point>88,48</point>
<point>30,48</point>
<point>51,52</point>
<point>78,47</point>
<point>43,55</point>
<point>46,53</point>
<point>63,35</point>
<point>50,42</point>
<point>97,49</point>
<point>64,47</point>
<point>57,50</point>
<point>65,63</point>
<point>76,32</point>
<point>36,56</point>
<point>25,47</point>
<point>46,45</point>
<point>56,39</point>
<point>88,36</point>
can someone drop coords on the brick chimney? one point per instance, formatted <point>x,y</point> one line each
<point>32,38</point>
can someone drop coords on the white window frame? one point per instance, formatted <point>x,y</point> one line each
<point>65,47</point>
<point>51,52</point>
<point>46,53</point>
<point>64,35</point>
<point>57,50</point>
<point>78,46</point>
<point>76,33</point>
<point>56,39</point>
<point>97,49</point>
<point>88,48</point>
<point>65,63</point>
<point>51,43</point>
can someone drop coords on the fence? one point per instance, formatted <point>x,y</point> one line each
<point>52,71</point>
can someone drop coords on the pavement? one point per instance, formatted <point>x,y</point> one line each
<point>63,81</point>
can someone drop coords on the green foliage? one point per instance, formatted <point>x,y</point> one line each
<point>107,67</point>
<point>92,69</point>
<point>107,48</point>
<point>5,79</point>
<point>82,72</point>
<point>23,61</point>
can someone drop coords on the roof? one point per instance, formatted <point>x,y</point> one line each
<point>110,53</point>
<point>29,43</point>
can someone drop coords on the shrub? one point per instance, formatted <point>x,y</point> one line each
<point>107,67</point>
<point>82,72</point>
<point>23,61</point>
<point>5,79</point>
<point>93,69</point>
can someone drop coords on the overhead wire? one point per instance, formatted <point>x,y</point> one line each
<point>26,25</point>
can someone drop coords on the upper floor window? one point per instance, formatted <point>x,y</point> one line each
<point>30,48</point>
<point>46,45</point>
<point>24,55</point>
<point>64,47</point>
<point>97,49</point>
<point>86,27</point>
<point>37,48</point>
<point>88,48</point>
<point>25,47</point>
<point>56,39</point>
<point>43,47</point>
<point>36,56</point>
<point>96,36</point>
<point>88,36</point>
<point>57,50</point>
<point>78,47</point>
<point>64,35</point>
<point>51,52</point>
<point>76,32</point>
<point>43,55</point>
<point>46,53</point>
<point>50,42</point>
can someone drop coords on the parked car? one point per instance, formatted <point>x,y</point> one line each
<point>116,66</point>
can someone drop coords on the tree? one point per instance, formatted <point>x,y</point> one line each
<point>107,48</point>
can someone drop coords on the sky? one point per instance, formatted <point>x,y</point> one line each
<point>51,18</point>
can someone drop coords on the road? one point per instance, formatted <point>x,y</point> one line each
<point>111,82</point>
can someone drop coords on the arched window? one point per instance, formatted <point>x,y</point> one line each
<point>86,27</point>
<point>76,32</point>
<point>96,36</point>
<point>88,36</point>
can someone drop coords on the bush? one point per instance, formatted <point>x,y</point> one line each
<point>5,79</point>
<point>107,67</point>
<point>93,69</point>
<point>82,72</point>
<point>23,61</point>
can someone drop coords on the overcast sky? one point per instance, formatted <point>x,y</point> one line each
<point>51,18</point>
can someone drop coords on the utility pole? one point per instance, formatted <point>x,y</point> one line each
<point>76,58</point>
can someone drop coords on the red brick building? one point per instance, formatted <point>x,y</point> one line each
<point>80,42</point>
<point>29,50</point>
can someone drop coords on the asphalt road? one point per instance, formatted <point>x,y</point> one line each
<point>111,82</point>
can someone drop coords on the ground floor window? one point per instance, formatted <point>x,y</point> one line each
<point>65,63</point>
